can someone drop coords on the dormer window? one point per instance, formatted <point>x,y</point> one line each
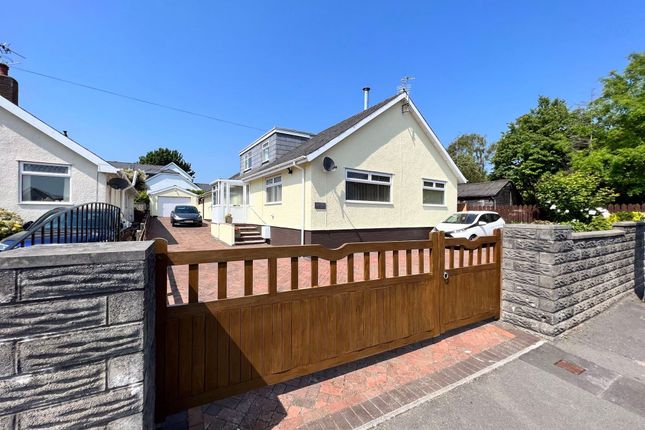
<point>265,152</point>
<point>247,161</point>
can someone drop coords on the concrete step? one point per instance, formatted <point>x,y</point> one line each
<point>249,232</point>
<point>247,238</point>
<point>250,242</point>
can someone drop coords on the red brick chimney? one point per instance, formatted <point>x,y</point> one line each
<point>8,85</point>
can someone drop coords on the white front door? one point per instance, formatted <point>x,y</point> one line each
<point>167,204</point>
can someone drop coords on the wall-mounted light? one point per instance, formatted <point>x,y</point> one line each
<point>289,170</point>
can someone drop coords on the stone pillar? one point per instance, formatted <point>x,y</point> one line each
<point>635,231</point>
<point>554,279</point>
<point>77,336</point>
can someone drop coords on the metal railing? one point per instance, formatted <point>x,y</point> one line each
<point>89,222</point>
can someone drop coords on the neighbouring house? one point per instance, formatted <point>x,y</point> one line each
<point>381,174</point>
<point>489,194</point>
<point>168,186</point>
<point>43,168</point>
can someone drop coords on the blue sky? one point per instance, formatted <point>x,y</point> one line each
<point>301,64</point>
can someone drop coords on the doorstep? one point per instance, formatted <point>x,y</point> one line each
<point>363,393</point>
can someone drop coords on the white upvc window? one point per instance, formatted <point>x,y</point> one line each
<point>434,192</point>
<point>247,160</point>
<point>273,187</point>
<point>44,183</point>
<point>216,194</point>
<point>265,152</point>
<point>371,187</point>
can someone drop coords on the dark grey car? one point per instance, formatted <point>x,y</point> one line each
<point>185,215</point>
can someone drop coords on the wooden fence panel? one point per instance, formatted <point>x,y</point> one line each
<point>511,213</point>
<point>626,207</point>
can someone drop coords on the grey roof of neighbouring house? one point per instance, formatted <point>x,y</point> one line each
<point>319,140</point>
<point>150,169</point>
<point>481,189</point>
<point>205,187</point>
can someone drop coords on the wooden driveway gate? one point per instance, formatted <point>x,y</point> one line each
<point>370,298</point>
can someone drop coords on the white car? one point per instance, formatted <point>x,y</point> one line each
<point>470,225</point>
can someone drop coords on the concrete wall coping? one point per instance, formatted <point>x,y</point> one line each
<point>538,226</point>
<point>597,234</point>
<point>76,253</point>
<point>628,223</point>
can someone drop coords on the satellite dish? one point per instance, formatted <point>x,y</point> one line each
<point>329,165</point>
<point>118,183</point>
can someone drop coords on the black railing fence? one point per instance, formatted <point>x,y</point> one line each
<point>89,222</point>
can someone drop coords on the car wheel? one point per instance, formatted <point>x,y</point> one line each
<point>472,237</point>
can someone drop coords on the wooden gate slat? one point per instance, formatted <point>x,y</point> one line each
<point>198,356</point>
<point>235,355</point>
<point>185,356</point>
<point>211,353</point>
<point>246,348</point>
<point>171,376</point>
<point>223,342</point>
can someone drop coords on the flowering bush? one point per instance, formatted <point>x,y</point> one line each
<point>572,197</point>
<point>10,223</point>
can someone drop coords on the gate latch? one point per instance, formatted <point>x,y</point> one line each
<point>445,276</point>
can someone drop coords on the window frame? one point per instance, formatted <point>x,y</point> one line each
<point>246,161</point>
<point>369,180</point>
<point>433,187</point>
<point>265,152</point>
<point>22,172</point>
<point>273,185</point>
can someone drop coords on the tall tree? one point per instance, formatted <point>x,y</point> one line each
<point>617,153</point>
<point>471,153</point>
<point>538,142</point>
<point>163,156</point>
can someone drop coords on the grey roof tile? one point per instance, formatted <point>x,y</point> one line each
<point>481,189</point>
<point>322,138</point>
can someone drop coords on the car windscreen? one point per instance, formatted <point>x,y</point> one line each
<point>186,210</point>
<point>461,218</point>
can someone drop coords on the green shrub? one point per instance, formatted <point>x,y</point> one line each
<point>142,197</point>
<point>566,197</point>
<point>579,226</point>
<point>598,223</point>
<point>10,223</point>
<point>626,216</point>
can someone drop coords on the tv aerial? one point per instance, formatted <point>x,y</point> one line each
<point>6,54</point>
<point>405,85</point>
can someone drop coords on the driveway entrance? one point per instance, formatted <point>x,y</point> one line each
<point>214,349</point>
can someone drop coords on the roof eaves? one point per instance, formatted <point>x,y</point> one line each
<point>348,132</point>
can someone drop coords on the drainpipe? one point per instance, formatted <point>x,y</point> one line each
<point>302,207</point>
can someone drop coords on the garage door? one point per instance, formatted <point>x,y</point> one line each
<point>167,204</point>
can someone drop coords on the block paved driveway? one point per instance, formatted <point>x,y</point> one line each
<point>199,238</point>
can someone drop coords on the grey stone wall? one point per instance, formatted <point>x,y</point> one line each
<point>554,279</point>
<point>76,344</point>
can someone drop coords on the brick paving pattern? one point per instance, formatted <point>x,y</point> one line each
<point>350,395</point>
